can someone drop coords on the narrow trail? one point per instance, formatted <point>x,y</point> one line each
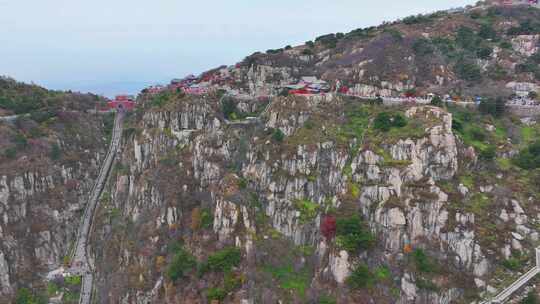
<point>81,262</point>
<point>502,296</point>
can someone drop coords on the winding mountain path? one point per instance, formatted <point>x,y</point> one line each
<point>82,264</point>
<point>502,296</point>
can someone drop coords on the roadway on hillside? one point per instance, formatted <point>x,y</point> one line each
<point>81,262</point>
<point>502,296</point>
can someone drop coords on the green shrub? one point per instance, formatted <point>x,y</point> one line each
<point>71,297</point>
<point>424,263</point>
<point>422,47</point>
<point>308,210</point>
<point>399,121</point>
<point>326,299</point>
<point>329,40</point>
<point>73,280</point>
<point>382,273</point>
<point>291,279</point>
<point>174,246</point>
<point>231,281</point>
<point>354,190</point>
<point>22,98</point>
<point>416,19</point>
<point>436,101</point>
<point>526,27</point>
<point>25,296</point>
<point>352,235</point>
<point>466,38</point>
<point>223,260</point>
<point>478,204</point>
<point>495,107</point>
<point>284,93</point>
<point>512,263</point>
<point>526,68</point>
<point>445,45</point>
<point>276,51</point>
<point>477,133</point>
<point>36,132</point>
<point>207,219</point>
<point>384,121</point>
<point>484,52</point>
<point>529,158</point>
<point>20,140</point>
<point>357,122</point>
<point>497,72</point>
<point>360,33</point>
<point>56,152</point>
<point>10,153</point>
<point>52,289</point>
<point>396,34</point>
<point>161,99</point>
<point>216,294</point>
<point>475,15</point>
<point>278,135</point>
<point>182,262</point>
<point>457,125</point>
<point>108,124</point>
<point>426,284</point>
<point>531,298</point>
<point>307,52</point>
<point>505,45</point>
<point>361,277</point>
<point>467,70</point>
<point>228,108</point>
<point>488,153</point>
<point>242,183</point>
<point>494,11</point>
<point>487,32</point>
<point>535,57</point>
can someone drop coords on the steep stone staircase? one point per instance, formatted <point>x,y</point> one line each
<point>502,296</point>
<point>81,263</point>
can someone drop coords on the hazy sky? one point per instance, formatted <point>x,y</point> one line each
<point>113,45</point>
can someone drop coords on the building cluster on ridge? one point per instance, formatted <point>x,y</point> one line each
<point>518,2</point>
<point>313,86</point>
<point>226,79</point>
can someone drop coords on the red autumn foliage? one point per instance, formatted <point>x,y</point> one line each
<point>71,184</point>
<point>328,227</point>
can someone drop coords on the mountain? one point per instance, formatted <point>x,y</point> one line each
<point>463,53</point>
<point>229,197</point>
<point>49,156</point>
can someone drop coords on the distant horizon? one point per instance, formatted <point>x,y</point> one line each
<point>71,45</point>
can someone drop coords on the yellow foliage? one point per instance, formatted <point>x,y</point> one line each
<point>160,262</point>
<point>354,190</point>
<point>196,219</point>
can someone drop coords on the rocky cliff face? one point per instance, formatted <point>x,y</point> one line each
<point>189,176</point>
<point>321,199</point>
<point>43,191</point>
